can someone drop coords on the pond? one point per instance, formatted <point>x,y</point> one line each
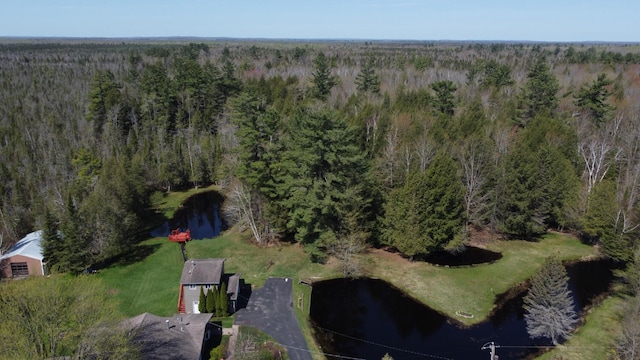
<point>199,213</point>
<point>366,318</point>
<point>469,256</point>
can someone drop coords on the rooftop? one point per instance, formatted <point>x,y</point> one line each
<point>29,246</point>
<point>176,337</point>
<point>202,271</point>
<point>234,286</point>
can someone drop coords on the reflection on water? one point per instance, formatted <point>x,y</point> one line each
<point>367,318</point>
<point>200,213</point>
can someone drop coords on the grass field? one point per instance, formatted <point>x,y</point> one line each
<point>594,339</point>
<point>148,281</point>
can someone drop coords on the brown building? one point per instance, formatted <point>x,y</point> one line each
<point>24,258</point>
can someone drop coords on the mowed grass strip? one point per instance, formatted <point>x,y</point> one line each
<point>474,289</point>
<point>596,338</point>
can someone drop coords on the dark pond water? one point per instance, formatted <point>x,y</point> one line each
<point>367,318</point>
<point>200,213</point>
<point>470,256</point>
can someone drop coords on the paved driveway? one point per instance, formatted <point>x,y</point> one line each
<point>270,309</point>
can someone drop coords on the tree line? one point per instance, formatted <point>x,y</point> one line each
<point>416,146</point>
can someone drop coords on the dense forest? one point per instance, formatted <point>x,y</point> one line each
<point>416,146</point>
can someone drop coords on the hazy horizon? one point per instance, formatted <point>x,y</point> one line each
<point>567,21</point>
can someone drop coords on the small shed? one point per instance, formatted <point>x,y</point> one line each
<point>24,258</point>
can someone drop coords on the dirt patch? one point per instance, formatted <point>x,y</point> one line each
<point>482,237</point>
<point>389,256</point>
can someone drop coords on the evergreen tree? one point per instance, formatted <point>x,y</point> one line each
<point>496,75</point>
<point>593,99</point>
<point>367,81</point>
<point>322,79</point>
<point>210,302</point>
<point>540,184</point>
<point>426,214</point>
<point>443,198</point>
<point>601,223</point>
<point>222,305</point>
<point>540,93</point>
<point>444,99</point>
<point>472,120</point>
<point>113,211</point>
<point>548,304</point>
<point>258,133</point>
<point>52,246</point>
<point>75,256</point>
<point>230,84</point>
<point>401,227</point>
<point>521,206</point>
<point>104,94</point>
<point>202,305</point>
<point>320,162</point>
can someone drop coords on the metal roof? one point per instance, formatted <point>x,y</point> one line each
<point>30,246</point>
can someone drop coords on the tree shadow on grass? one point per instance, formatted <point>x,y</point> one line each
<point>138,253</point>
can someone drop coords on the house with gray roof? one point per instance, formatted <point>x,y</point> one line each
<point>24,258</point>
<point>196,273</point>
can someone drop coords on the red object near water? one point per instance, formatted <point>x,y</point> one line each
<point>179,236</point>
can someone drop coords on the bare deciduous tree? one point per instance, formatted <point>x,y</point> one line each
<point>346,249</point>
<point>247,209</point>
<point>628,345</point>
<point>475,165</point>
<point>597,149</point>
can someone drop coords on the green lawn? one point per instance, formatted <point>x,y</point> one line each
<point>595,338</point>
<point>473,289</point>
<point>150,285</point>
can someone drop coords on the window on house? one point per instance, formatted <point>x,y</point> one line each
<point>193,287</point>
<point>19,269</point>
<point>207,287</point>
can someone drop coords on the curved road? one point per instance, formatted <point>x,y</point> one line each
<point>270,309</point>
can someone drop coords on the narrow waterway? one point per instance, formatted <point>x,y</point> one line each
<point>367,318</point>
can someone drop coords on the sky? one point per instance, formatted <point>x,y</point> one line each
<point>509,20</point>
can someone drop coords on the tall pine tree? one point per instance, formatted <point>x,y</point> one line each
<point>320,162</point>
<point>52,246</point>
<point>322,79</point>
<point>540,94</point>
<point>367,81</point>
